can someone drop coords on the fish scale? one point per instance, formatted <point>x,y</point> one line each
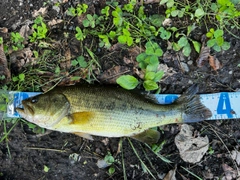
<point>105,121</point>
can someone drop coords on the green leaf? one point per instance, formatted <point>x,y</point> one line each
<point>15,78</point>
<point>90,17</point>
<point>183,41</point>
<point>214,7</point>
<point>111,170</point>
<point>148,45</point>
<point>211,42</point>
<point>86,23</point>
<point>127,82</point>
<point>163,2</point>
<point>149,75</point>
<point>170,3</point>
<point>21,77</point>
<point>151,67</point>
<point>199,12</point>
<point>154,60</point>
<point>176,46</point>
<point>45,168</point>
<point>219,41</point>
<point>82,62</point>
<point>209,34</point>
<point>150,85</point>
<point>122,39</point>
<point>141,57</point>
<point>74,62</point>
<point>158,76</point>
<point>112,34</point>
<point>126,32</point>
<point>196,45</point>
<point>79,36</point>
<point>174,13</point>
<point>75,78</point>
<point>165,34</point>
<point>149,51</point>
<point>190,29</point>
<point>226,46</point>
<point>129,41</point>
<point>187,50</point>
<point>109,158</point>
<point>57,70</point>
<point>218,33</point>
<point>158,52</point>
<point>157,20</point>
<point>142,65</point>
<point>217,48</point>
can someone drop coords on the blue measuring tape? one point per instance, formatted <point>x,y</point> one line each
<point>224,105</point>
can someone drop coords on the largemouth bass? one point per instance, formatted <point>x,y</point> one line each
<point>109,111</point>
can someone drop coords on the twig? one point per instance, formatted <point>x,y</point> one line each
<point>45,149</point>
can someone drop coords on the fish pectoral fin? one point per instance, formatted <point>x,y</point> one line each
<point>81,117</point>
<point>149,136</point>
<point>84,135</point>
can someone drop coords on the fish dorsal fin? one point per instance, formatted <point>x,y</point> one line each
<point>79,118</point>
<point>84,135</point>
<point>149,136</point>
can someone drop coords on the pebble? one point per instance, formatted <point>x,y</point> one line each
<point>185,67</point>
<point>56,8</point>
<point>230,72</point>
<point>101,163</point>
<point>190,62</point>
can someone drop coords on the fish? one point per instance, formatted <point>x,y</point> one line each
<point>97,110</point>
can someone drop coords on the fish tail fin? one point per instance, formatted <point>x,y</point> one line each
<point>193,109</point>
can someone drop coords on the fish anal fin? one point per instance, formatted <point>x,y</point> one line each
<point>79,118</point>
<point>149,136</point>
<point>84,135</point>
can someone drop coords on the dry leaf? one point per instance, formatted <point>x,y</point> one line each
<point>208,174</point>
<point>229,172</point>
<point>40,12</point>
<point>4,71</point>
<point>3,30</point>
<point>116,47</point>
<point>105,141</point>
<point>171,175</point>
<point>21,58</point>
<point>66,63</point>
<point>54,22</point>
<point>214,63</point>
<point>113,73</point>
<point>135,51</point>
<point>25,31</point>
<point>236,156</point>
<point>191,149</point>
<point>203,56</point>
<point>167,22</point>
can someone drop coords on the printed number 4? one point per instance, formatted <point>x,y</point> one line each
<point>224,106</point>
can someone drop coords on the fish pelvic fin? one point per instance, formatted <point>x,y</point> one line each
<point>193,109</point>
<point>149,136</point>
<point>84,135</point>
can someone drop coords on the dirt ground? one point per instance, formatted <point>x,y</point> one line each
<point>25,154</point>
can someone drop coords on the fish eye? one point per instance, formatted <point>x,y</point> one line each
<point>34,100</point>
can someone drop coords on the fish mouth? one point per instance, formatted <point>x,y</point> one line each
<point>25,110</point>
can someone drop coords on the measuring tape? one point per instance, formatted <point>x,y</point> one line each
<point>224,105</point>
